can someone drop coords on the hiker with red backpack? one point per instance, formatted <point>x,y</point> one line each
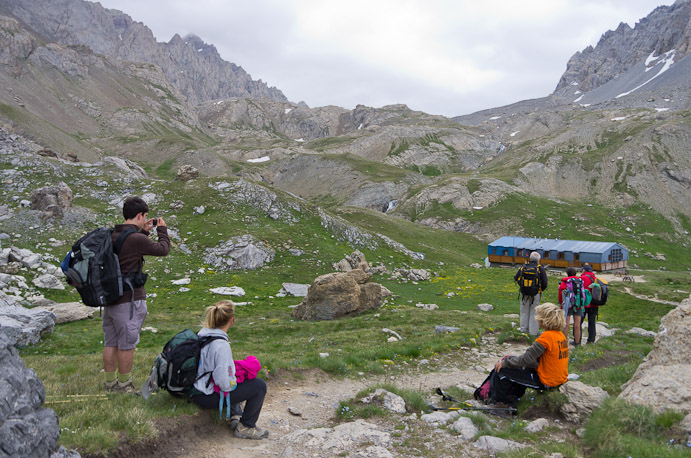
<point>573,298</point>
<point>219,382</point>
<point>532,281</point>
<point>588,277</point>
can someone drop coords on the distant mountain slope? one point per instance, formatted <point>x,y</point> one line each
<point>194,67</point>
<point>667,28</point>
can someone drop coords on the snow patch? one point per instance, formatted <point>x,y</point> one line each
<point>667,61</point>
<point>200,49</point>
<point>288,110</point>
<point>478,208</point>
<point>220,102</point>
<point>574,84</point>
<point>494,117</point>
<point>513,134</point>
<point>359,127</point>
<point>586,104</point>
<point>578,99</point>
<point>299,140</point>
<point>577,92</point>
<point>259,159</point>
<point>620,118</point>
<point>662,109</point>
<point>649,59</point>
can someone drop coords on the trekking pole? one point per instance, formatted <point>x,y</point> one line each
<point>467,406</point>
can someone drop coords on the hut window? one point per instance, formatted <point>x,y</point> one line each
<point>576,257</point>
<point>560,255</point>
<point>546,255</point>
<point>616,255</point>
<point>506,253</point>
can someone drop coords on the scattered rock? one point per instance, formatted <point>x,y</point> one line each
<point>439,418</point>
<point>394,333</point>
<point>198,210</point>
<point>52,200</point>
<point>294,411</point>
<point>485,307</point>
<point>642,332</point>
<point>388,400</point>
<point>413,274</point>
<point>293,290</point>
<point>355,260</point>
<point>344,437</point>
<point>442,329</point>
<point>25,326</point>
<point>176,205</point>
<point>228,291</point>
<point>69,311</point>
<point>465,427</point>
<point>48,281</point>
<point>537,425</point>
<point>186,173</point>
<point>427,306</point>
<point>495,445</point>
<point>239,253</point>
<point>583,400</point>
<point>182,281</point>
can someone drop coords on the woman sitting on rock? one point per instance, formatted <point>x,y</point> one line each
<point>544,365</point>
<point>217,383</point>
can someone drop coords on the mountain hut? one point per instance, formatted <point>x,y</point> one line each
<point>558,253</point>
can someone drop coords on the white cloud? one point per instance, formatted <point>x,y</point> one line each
<point>441,56</point>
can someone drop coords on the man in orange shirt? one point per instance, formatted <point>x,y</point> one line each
<point>544,365</point>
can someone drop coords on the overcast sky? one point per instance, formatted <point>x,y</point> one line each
<point>447,57</point>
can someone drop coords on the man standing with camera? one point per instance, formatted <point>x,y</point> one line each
<point>122,321</point>
<point>532,281</point>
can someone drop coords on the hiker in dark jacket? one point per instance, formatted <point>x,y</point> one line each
<point>122,321</point>
<point>530,301</point>
<point>591,310</point>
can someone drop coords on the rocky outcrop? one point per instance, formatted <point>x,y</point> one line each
<point>662,380</point>
<point>25,326</point>
<point>337,295</point>
<point>125,165</point>
<point>243,192</point>
<point>67,312</point>
<point>239,253</point>
<point>26,428</point>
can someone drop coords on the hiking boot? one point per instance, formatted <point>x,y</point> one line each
<point>111,387</point>
<point>127,388</point>
<point>245,432</point>
<point>233,421</point>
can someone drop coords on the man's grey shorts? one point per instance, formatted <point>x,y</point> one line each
<point>118,330</point>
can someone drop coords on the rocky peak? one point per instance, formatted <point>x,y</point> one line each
<point>666,28</point>
<point>193,66</point>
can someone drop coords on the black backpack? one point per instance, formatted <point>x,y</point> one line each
<point>529,280</point>
<point>600,292</point>
<point>176,367</point>
<point>94,269</point>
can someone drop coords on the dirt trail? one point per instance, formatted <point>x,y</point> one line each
<point>315,397</point>
<point>648,298</point>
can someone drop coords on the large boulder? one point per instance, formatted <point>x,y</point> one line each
<point>26,428</point>
<point>25,326</point>
<point>67,312</point>
<point>662,380</point>
<point>52,200</point>
<point>239,253</point>
<point>583,400</point>
<point>340,294</point>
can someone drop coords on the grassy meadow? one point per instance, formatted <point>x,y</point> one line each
<point>68,361</point>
